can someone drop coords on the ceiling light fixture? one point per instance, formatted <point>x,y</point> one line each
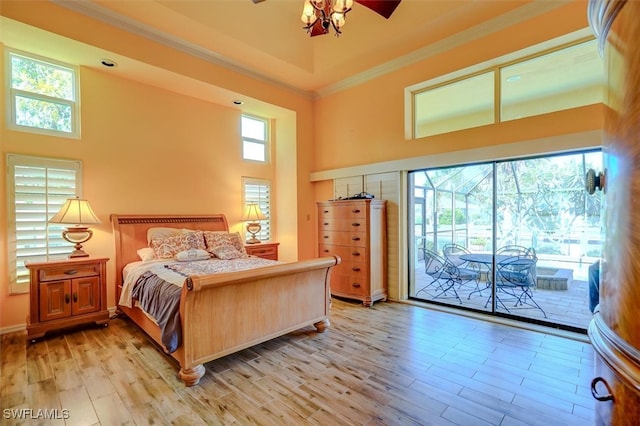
<point>319,15</point>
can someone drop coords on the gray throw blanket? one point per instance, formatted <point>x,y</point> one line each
<point>161,300</point>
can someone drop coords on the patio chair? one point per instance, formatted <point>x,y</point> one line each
<point>444,274</point>
<point>515,277</point>
<point>468,271</point>
<point>513,250</point>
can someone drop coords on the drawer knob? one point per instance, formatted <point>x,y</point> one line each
<point>325,236</point>
<point>355,224</point>
<point>326,251</point>
<point>75,297</point>
<point>355,269</point>
<point>355,238</point>
<point>67,299</point>
<point>355,253</point>
<point>325,211</point>
<point>356,285</point>
<point>355,211</point>
<point>71,272</point>
<point>326,223</point>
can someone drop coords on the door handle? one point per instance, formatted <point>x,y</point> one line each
<point>595,181</point>
<point>67,299</point>
<point>75,297</point>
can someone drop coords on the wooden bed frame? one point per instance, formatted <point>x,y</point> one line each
<point>224,313</point>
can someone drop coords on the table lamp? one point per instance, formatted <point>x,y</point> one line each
<point>77,212</point>
<point>252,214</point>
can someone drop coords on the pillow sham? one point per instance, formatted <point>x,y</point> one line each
<point>163,232</point>
<point>168,247</point>
<point>227,252</point>
<point>146,254</point>
<point>215,239</point>
<point>192,255</point>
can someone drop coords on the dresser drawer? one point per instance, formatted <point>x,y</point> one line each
<point>346,253</point>
<point>65,272</point>
<point>344,238</point>
<point>343,224</point>
<point>348,285</point>
<point>353,210</point>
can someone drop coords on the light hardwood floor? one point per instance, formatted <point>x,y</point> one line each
<point>391,364</point>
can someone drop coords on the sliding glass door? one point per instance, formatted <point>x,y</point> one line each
<point>512,238</point>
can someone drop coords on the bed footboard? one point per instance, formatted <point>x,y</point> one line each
<point>225,313</point>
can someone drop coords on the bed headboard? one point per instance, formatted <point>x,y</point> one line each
<point>130,232</point>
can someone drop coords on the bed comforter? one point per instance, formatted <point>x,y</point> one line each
<point>155,287</point>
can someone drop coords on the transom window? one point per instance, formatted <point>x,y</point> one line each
<point>255,138</point>
<point>43,95</point>
<point>507,89</point>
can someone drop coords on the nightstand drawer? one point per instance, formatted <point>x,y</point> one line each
<point>263,250</point>
<point>65,272</point>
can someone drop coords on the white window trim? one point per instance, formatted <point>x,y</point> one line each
<point>14,160</point>
<point>12,93</point>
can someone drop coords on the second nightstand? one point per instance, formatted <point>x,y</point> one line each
<point>263,250</point>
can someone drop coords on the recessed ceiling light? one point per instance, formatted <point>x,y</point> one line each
<point>238,102</point>
<point>108,63</point>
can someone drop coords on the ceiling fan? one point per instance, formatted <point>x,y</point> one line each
<point>319,23</point>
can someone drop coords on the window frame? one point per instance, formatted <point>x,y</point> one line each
<point>265,203</point>
<point>13,252</point>
<point>13,93</point>
<point>266,142</point>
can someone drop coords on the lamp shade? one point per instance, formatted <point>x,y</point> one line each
<point>252,213</point>
<point>75,211</point>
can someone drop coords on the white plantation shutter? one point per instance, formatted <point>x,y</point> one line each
<point>259,191</point>
<point>36,189</point>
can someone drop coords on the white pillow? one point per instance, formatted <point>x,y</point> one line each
<point>146,254</point>
<point>192,254</point>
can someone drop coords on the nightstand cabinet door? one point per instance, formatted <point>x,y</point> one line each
<point>66,293</point>
<point>355,230</point>
<point>55,300</point>
<point>85,295</point>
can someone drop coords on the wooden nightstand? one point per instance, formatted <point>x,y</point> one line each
<point>66,293</point>
<point>263,250</point>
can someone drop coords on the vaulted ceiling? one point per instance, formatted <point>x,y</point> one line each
<point>266,39</point>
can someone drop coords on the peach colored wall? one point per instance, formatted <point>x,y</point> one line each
<point>373,130</point>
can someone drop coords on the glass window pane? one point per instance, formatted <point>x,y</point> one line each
<point>461,105</point>
<point>564,79</point>
<point>253,151</point>
<point>253,128</point>
<point>43,114</point>
<point>42,78</point>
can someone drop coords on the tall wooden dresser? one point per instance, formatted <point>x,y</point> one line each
<point>355,230</point>
<point>615,328</point>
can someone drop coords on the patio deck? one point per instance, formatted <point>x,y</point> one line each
<point>565,307</point>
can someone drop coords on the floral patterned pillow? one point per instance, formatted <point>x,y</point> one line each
<point>168,247</point>
<point>214,239</point>
<point>227,252</point>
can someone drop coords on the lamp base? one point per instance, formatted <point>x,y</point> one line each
<point>253,240</point>
<point>77,235</point>
<point>253,228</point>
